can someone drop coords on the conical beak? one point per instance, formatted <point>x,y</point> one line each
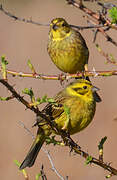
<point>55,27</point>
<point>94,89</point>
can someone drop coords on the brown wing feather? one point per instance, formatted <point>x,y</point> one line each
<point>55,110</point>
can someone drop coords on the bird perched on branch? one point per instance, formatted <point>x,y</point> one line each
<point>79,100</point>
<point>66,47</point>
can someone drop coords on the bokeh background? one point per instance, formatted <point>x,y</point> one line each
<point>20,42</point>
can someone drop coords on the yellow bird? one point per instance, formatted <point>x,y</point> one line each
<point>66,47</point>
<point>80,100</point>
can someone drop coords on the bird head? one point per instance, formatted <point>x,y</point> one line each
<point>59,28</point>
<point>82,88</point>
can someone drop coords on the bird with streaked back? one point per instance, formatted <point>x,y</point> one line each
<point>79,98</point>
<point>67,48</point>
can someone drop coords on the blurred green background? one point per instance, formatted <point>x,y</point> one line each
<point>20,42</point>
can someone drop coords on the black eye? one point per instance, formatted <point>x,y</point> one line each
<point>63,25</point>
<point>85,87</point>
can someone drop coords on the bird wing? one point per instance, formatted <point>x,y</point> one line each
<point>54,110</point>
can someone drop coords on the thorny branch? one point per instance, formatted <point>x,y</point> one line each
<point>97,17</point>
<point>67,139</point>
<point>63,77</point>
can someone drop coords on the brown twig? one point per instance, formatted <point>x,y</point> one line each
<point>43,175</point>
<point>64,76</point>
<point>52,164</point>
<point>93,160</point>
<point>96,16</point>
<point>99,19</point>
<point>21,19</point>
<point>26,103</point>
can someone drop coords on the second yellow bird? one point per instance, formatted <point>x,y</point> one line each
<point>67,47</point>
<point>80,101</point>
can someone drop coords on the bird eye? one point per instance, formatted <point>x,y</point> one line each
<point>85,87</point>
<point>63,25</point>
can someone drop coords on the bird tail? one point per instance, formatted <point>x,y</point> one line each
<point>33,152</point>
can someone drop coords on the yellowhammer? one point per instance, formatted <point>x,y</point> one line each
<point>67,47</point>
<point>79,98</point>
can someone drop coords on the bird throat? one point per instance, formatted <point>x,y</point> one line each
<point>60,35</point>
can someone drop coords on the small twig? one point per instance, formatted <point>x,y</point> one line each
<point>43,175</point>
<point>23,171</point>
<point>93,159</point>
<point>21,19</point>
<point>29,132</point>
<point>52,164</point>
<point>31,67</point>
<point>109,58</point>
<point>87,27</point>
<point>100,148</point>
<point>98,17</point>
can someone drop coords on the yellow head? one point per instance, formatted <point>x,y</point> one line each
<point>59,28</point>
<point>82,89</point>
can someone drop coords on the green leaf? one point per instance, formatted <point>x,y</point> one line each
<point>52,140</point>
<point>38,176</point>
<point>23,170</point>
<point>3,64</point>
<point>98,47</point>
<point>113,15</point>
<point>45,99</point>
<point>17,163</point>
<point>4,98</point>
<point>30,93</point>
<point>108,176</point>
<point>88,160</point>
<point>112,58</point>
<point>3,60</point>
<point>51,100</point>
<point>67,110</point>
<point>31,66</point>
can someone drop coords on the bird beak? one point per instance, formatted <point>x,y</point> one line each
<point>94,89</point>
<point>55,27</point>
